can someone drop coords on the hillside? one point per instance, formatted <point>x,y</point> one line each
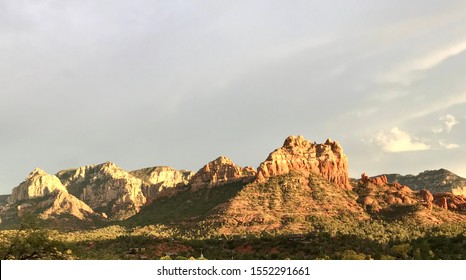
<point>436,181</point>
<point>288,203</point>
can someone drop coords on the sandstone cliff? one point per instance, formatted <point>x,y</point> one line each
<point>300,155</point>
<point>43,194</point>
<point>37,184</point>
<point>106,188</point>
<point>160,178</point>
<point>219,172</point>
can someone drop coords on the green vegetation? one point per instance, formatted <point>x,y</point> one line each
<point>330,240</point>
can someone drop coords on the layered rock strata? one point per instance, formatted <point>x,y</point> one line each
<point>300,155</point>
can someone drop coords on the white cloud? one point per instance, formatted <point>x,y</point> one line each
<point>449,121</point>
<point>448,146</point>
<point>437,129</point>
<point>403,73</point>
<point>397,140</point>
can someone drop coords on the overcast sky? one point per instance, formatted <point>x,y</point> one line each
<point>146,83</point>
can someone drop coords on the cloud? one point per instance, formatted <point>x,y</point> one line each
<point>437,129</point>
<point>449,121</point>
<point>447,146</point>
<point>438,105</point>
<point>397,140</point>
<point>403,73</point>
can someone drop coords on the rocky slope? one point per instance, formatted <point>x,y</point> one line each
<point>436,181</point>
<point>219,172</point>
<point>301,155</point>
<point>106,188</point>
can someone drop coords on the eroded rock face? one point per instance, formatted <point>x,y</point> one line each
<point>105,188</point>
<point>300,155</point>
<point>219,172</point>
<point>37,184</point>
<point>450,201</point>
<point>160,178</point>
<point>65,203</point>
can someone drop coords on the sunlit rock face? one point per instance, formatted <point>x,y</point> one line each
<point>105,188</point>
<point>37,184</point>
<point>299,154</point>
<point>219,172</point>
<point>161,178</point>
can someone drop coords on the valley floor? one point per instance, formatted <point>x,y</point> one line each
<point>361,240</point>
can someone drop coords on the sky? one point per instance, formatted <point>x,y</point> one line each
<point>179,83</point>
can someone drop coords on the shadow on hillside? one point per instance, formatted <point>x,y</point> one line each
<point>396,212</point>
<point>186,207</point>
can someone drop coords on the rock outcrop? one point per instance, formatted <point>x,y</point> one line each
<point>37,184</point>
<point>300,155</point>
<point>376,194</point>
<point>160,178</point>
<point>106,188</point>
<point>219,172</point>
<point>378,180</point>
<point>450,201</point>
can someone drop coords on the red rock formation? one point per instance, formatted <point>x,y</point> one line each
<point>427,197</point>
<point>449,201</point>
<point>378,181</point>
<point>219,172</point>
<point>300,155</point>
<point>377,193</point>
<point>441,202</point>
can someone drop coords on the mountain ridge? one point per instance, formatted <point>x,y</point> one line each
<point>299,175</point>
<point>437,181</point>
